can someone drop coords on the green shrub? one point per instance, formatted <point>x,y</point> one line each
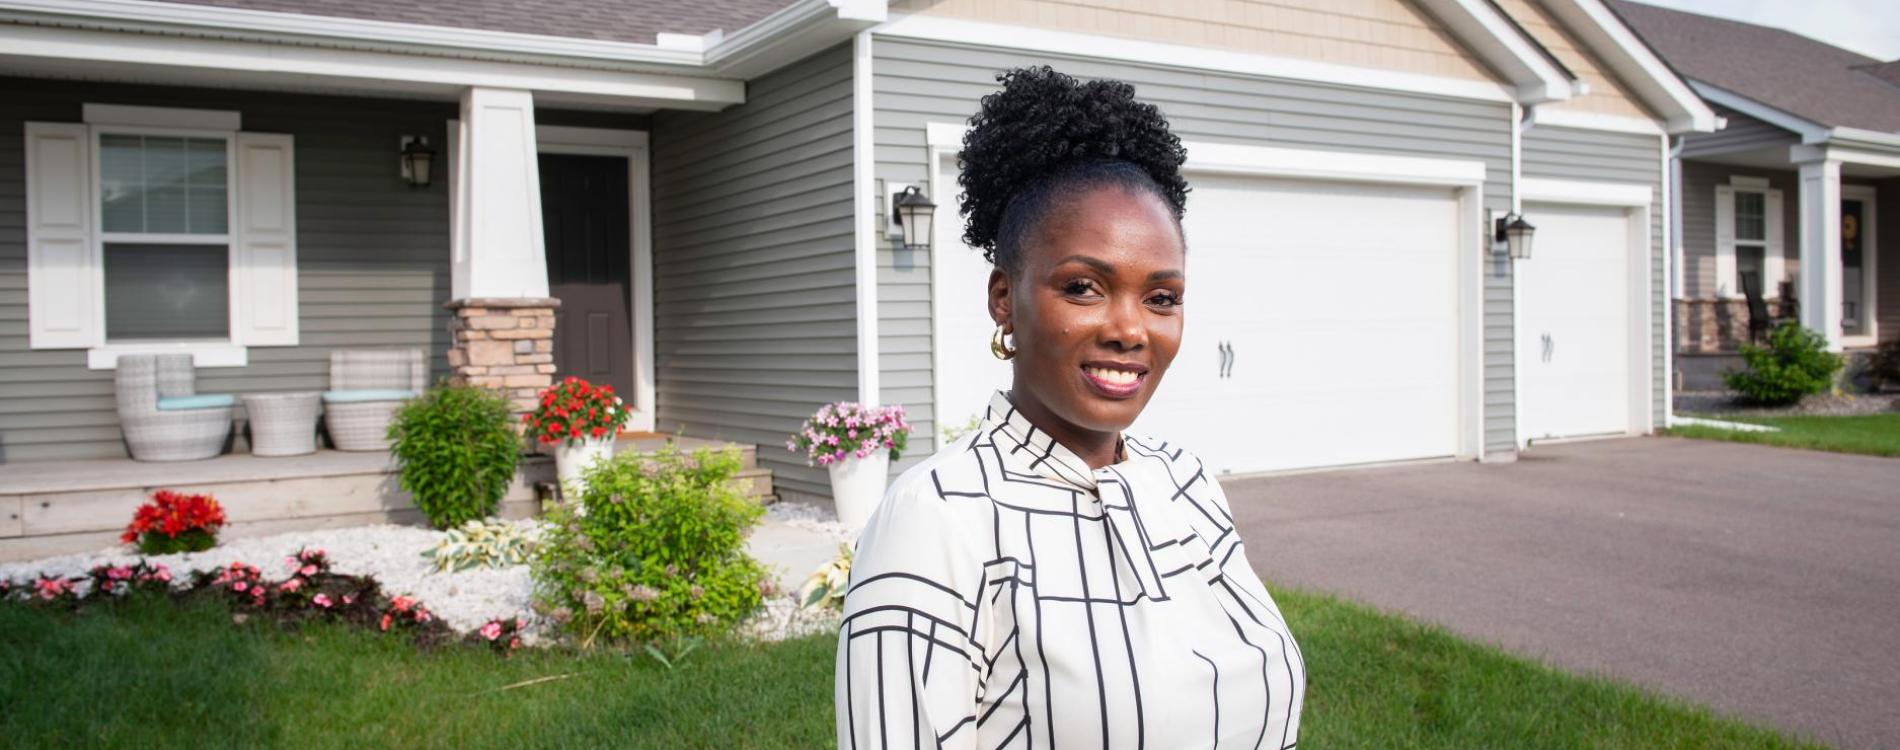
<point>653,550</point>
<point>1883,367</point>
<point>457,448</point>
<point>1796,363</point>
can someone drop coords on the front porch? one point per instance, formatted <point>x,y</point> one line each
<point>58,507</point>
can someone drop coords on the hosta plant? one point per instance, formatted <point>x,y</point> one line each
<point>487,543</point>
<point>175,522</point>
<point>826,586</point>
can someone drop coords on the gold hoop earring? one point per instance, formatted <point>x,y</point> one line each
<point>1000,349</point>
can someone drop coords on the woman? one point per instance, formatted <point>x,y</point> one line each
<point>1047,581</point>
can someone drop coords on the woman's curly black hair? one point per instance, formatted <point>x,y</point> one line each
<point>1045,136</point>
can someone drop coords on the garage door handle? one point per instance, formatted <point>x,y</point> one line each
<point>1226,359</point>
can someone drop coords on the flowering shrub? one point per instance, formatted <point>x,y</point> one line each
<point>175,522</point>
<point>404,612</point>
<point>575,409</point>
<point>502,634</point>
<point>119,580</point>
<point>301,588</point>
<point>847,429</point>
<point>54,588</point>
<point>653,551</point>
<point>826,586</point>
<point>489,543</point>
<point>244,583</point>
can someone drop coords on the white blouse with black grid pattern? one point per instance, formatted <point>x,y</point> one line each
<point>1004,595</point>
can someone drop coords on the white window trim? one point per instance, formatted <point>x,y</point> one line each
<point>1774,264</point>
<point>225,352</point>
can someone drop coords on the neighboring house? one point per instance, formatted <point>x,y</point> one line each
<point>1788,197</point>
<point>705,187</point>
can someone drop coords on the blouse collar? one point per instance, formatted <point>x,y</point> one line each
<point>1024,443</point>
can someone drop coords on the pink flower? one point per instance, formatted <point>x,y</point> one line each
<point>520,623</point>
<point>386,619</point>
<point>491,631</point>
<point>119,573</point>
<point>322,600</point>
<point>163,574</point>
<point>308,570</point>
<point>240,586</point>
<point>291,585</point>
<point>348,599</point>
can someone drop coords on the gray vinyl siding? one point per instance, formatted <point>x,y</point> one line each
<point>372,255</point>
<point>754,263</point>
<point>1603,156</point>
<point>1743,133</point>
<point>918,82</point>
<point>1699,180</point>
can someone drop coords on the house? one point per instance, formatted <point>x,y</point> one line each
<point>1787,198</point>
<point>705,187</point>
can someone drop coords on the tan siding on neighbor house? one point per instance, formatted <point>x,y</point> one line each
<point>1379,34</point>
<point>1608,96</point>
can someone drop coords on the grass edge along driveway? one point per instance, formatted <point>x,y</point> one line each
<point>157,673</point>
<point>1867,434</point>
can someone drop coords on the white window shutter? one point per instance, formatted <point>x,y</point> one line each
<point>1772,268</point>
<point>1725,242</point>
<point>64,309</point>
<point>264,248</point>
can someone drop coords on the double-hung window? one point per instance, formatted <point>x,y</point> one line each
<point>1748,236</point>
<point>153,230</point>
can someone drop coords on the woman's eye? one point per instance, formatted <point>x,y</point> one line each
<point>1078,287</point>
<point>1165,299</point>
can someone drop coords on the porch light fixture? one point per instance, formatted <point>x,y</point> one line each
<point>416,160</point>
<point>1516,234</point>
<point>915,215</point>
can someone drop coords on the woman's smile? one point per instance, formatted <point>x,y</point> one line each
<point>1116,380</point>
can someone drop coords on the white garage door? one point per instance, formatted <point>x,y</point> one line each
<point>966,373</point>
<point>1573,333</point>
<point>1335,308</point>
<point>1337,301</point>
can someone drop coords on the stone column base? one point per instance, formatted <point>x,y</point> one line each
<point>505,345</point>
<point>1712,326</point>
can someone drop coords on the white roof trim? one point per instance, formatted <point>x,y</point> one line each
<point>1580,192</point>
<point>1230,158</point>
<point>793,32</point>
<point>257,60</point>
<point>1567,118</point>
<point>1631,60</point>
<point>1807,129</point>
<point>1098,47</point>
<point>1492,36</point>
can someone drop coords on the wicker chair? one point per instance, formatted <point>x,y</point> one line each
<point>161,413</point>
<point>366,387</point>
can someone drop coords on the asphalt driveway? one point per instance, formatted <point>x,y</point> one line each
<point>1764,582</point>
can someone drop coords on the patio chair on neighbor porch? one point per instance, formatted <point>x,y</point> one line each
<point>1760,320</point>
<point>366,387</point>
<point>163,416</point>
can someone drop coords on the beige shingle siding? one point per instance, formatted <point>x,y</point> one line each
<point>753,252</point>
<point>372,256</point>
<point>1381,34</point>
<point>1608,95</point>
<point>922,82</point>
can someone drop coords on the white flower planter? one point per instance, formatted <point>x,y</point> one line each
<point>572,457</point>
<point>857,484</point>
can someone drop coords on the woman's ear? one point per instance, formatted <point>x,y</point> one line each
<point>999,301</point>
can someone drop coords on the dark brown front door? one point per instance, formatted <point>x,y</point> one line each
<point>584,216</point>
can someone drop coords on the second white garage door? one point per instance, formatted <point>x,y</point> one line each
<point>1574,331</point>
<point>1322,326</point>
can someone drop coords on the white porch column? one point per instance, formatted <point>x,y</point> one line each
<point>1821,249</point>
<point>498,246</point>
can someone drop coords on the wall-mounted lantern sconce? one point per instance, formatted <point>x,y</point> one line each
<point>417,158</point>
<point>915,215</point>
<point>1514,234</point>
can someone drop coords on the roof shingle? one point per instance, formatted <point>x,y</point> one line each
<point>632,21</point>
<point>1803,77</point>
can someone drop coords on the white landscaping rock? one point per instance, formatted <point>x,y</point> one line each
<point>466,599</point>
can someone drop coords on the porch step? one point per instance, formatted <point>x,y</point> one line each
<point>61,507</point>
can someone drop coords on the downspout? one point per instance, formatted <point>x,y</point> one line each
<point>1672,277</point>
<point>864,206</point>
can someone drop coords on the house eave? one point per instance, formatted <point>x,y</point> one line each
<point>707,72</point>
<point>1634,63</point>
<point>1533,77</point>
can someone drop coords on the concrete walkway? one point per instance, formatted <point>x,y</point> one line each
<point>1764,582</point>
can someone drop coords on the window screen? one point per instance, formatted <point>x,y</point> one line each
<point>167,291</point>
<point>1750,216</point>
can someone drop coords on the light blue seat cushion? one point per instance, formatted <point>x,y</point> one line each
<point>200,401</point>
<point>366,394</point>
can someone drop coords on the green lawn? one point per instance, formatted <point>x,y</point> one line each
<point>1873,435</point>
<point>153,673</point>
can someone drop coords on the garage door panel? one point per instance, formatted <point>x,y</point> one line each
<point>1340,303</point>
<point>1574,323</point>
